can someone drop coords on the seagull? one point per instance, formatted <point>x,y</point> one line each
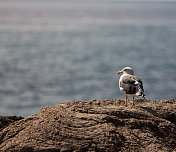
<point>129,84</point>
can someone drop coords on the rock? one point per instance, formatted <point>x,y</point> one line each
<point>6,120</point>
<point>95,125</point>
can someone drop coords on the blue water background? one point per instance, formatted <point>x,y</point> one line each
<point>56,51</point>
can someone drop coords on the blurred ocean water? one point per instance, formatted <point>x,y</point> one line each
<point>55,51</point>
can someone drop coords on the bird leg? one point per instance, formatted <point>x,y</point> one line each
<point>126,100</point>
<point>133,101</point>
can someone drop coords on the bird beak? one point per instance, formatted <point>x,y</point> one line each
<point>120,72</point>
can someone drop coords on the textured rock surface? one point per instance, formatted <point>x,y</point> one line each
<point>95,125</point>
<point>6,120</point>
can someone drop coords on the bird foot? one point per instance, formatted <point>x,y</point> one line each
<point>132,105</point>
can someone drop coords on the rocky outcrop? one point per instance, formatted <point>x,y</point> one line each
<point>95,125</point>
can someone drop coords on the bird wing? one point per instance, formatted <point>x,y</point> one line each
<point>131,84</point>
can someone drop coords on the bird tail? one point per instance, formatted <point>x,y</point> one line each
<point>143,95</point>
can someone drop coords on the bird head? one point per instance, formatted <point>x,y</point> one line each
<point>126,70</point>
